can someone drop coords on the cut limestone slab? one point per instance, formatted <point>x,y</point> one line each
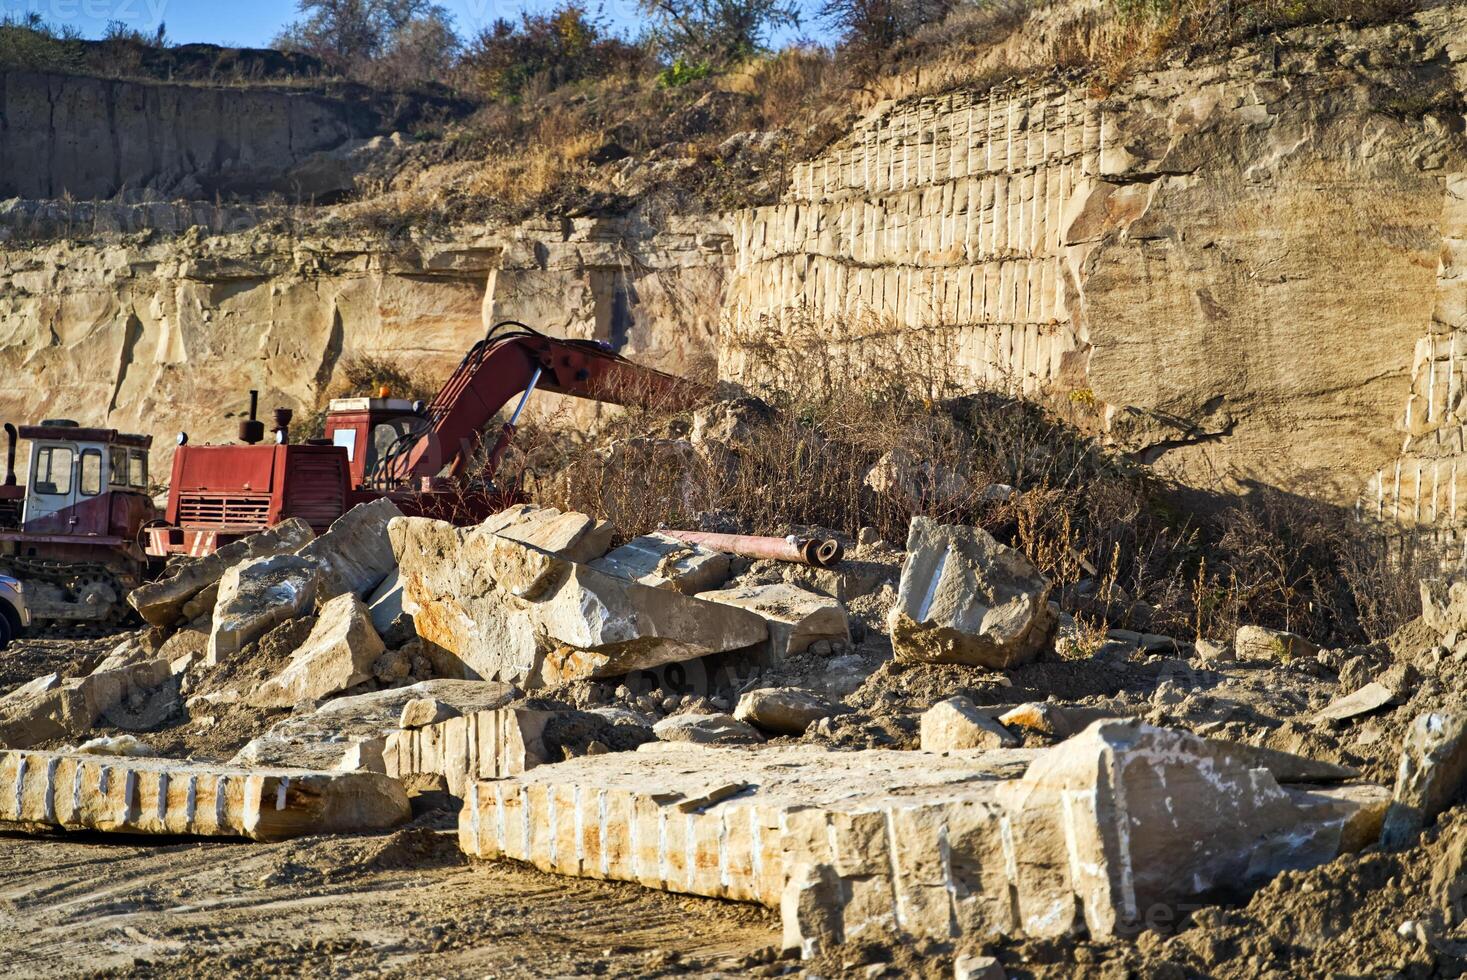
<point>354,555</point>
<point>337,656</point>
<point>716,729</point>
<point>797,618</point>
<point>77,791</point>
<point>1432,776</point>
<point>489,744</point>
<point>784,710</point>
<point>956,724</point>
<point>350,734</point>
<point>1168,817</point>
<point>161,603</point>
<point>50,707</point>
<point>572,536</point>
<point>664,562</point>
<point>488,607</point>
<point>902,845</point>
<point>966,599</point>
<point>256,596</point>
<point>1371,697</point>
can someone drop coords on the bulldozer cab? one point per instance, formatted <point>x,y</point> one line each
<point>72,474</point>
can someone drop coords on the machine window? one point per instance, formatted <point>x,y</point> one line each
<point>346,439</point>
<point>138,475</point>
<point>118,461</point>
<point>91,472</point>
<point>53,470</point>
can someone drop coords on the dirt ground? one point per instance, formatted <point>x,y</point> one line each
<point>404,903</point>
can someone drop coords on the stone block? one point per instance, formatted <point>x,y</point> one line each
<point>797,618</point>
<point>354,554</point>
<point>257,595</point>
<point>964,598</point>
<point>716,729</point>
<point>77,791</point>
<point>784,710</point>
<point>490,744</point>
<point>1432,776</point>
<point>350,734</point>
<point>337,655</point>
<point>574,537</point>
<point>1362,701</point>
<point>664,562</point>
<point>161,603</point>
<point>1262,643</point>
<point>489,607</point>
<point>957,725</point>
<point>50,708</point>
<point>902,845</point>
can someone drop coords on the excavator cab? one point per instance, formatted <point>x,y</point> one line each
<point>370,429</point>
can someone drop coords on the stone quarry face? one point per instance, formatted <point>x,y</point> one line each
<point>489,607</point>
<point>966,599</point>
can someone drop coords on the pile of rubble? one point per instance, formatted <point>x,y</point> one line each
<point>913,744</point>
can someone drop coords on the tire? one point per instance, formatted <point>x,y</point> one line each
<point>8,621</point>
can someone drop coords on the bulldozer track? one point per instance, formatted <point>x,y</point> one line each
<point>72,578</point>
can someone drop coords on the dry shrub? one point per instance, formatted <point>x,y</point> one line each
<point>364,375</point>
<point>1122,546</point>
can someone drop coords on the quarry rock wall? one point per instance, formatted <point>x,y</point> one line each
<point>84,137</point>
<point>1243,270</point>
<point>1225,267</point>
<point>170,334</point>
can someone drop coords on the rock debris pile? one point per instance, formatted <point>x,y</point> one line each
<point>913,746</point>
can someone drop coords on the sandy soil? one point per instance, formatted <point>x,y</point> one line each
<point>386,905</point>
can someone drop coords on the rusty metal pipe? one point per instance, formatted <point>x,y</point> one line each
<point>825,553</point>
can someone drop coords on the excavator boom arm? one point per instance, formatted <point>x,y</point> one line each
<point>503,366</point>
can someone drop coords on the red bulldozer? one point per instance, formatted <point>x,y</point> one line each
<point>72,533</point>
<point>431,460</point>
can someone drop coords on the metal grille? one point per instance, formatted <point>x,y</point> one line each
<point>220,510</point>
<point>314,490</point>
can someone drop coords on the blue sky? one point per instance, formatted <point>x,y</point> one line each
<point>253,23</point>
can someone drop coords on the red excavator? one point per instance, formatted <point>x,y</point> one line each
<point>430,460</point>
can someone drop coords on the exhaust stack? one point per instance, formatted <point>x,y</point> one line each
<point>252,430</point>
<point>10,436</point>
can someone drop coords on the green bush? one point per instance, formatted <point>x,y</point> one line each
<point>680,73</point>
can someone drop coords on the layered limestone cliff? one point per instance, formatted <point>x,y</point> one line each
<point>158,336</point>
<point>83,137</point>
<point>1246,269</point>
<point>1229,263</point>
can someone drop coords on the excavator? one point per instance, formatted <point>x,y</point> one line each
<point>431,460</point>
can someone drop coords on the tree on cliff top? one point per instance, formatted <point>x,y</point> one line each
<point>400,40</point>
<point>718,32</point>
